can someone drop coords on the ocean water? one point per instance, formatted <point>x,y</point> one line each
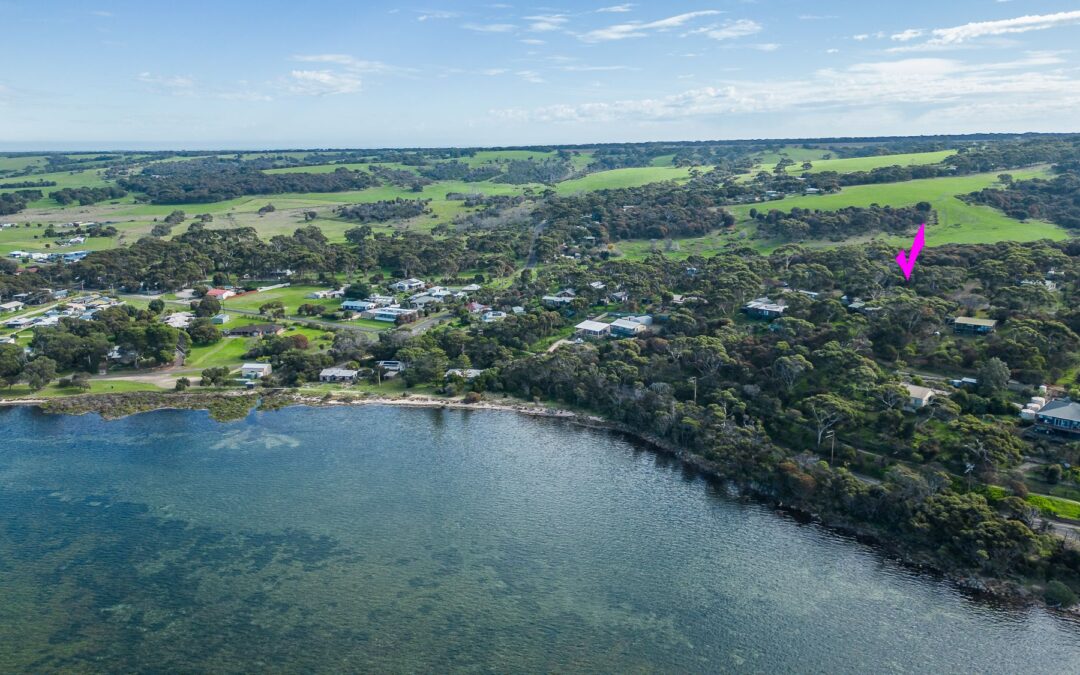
<point>380,539</point>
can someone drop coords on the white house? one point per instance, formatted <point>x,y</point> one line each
<point>390,314</point>
<point>220,319</point>
<point>919,396</point>
<point>337,375</point>
<point>382,300</point>
<point>593,329</point>
<point>492,316</point>
<point>406,285</point>
<point>556,300</point>
<point>463,373</point>
<point>391,366</point>
<point>255,371</point>
<point>325,295</point>
<point>471,288</point>
<point>631,326</point>
<point>179,319</point>
<point>358,305</point>
<point>12,306</point>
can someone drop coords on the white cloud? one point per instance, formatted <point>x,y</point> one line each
<point>428,15</point>
<point>546,22</point>
<point>186,86</point>
<point>530,76</point>
<point>919,82</point>
<point>832,51</point>
<point>909,34</point>
<point>594,69</point>
<point>766,47</point>
<point>322,83</point>
<point>350,62</point>
<point>730,30</point>
<point>532,41</point>
<point>977,29</point>
<point>489,27</point>
<point>618,8</point>
<point>169,82</point>
<point>636,29</point>
<point>494,71</point>
<point>102,13</point>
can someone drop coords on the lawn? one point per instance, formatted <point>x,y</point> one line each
<point>226,352</point>
<point>958,222</point>
<point>291,296</point>
<point>18,163</point>
<point>623,178</point>
<point>1064,508</point>
<point>96,387</point>
<point>852,164</point>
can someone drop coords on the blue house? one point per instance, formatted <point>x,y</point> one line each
<point>1061,415</point>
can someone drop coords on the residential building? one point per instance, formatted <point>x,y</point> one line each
<point>631,326</point>
<point>491,316</point>
<point>12,306</point>
<point>918,397</point>
<point>255,371</point>
<point>463,373</point>
<point>764,308</point>
<point>391,366</point>
<point>179,319</point>
<point>557,300</point>
<point>220,293</point>
<point>476,307</point>
<point>74,256</point>
<point>220,319</point>
<point>593,329</point>
<point>517,309</point>
<point>1061,415</point>
<point>19,322</point>
<point>407,285</point>
<point>471,288</point>
<point>337,375</point>
<point>328,294</point>
<point>382,300</point>
<point>423,300</point>
<point>256,330</point>
<point>391,314</point>
<point>972,326</point>
<point>358,305</point>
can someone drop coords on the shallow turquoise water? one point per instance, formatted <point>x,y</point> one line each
<point>388,539</point>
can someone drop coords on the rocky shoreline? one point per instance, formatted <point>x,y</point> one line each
<point>233,405</point>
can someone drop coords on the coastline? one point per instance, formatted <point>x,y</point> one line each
<point>986,588</point>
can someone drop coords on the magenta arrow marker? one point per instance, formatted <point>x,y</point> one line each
<point>907,262</point>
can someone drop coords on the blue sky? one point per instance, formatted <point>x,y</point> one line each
<point>330,73</point>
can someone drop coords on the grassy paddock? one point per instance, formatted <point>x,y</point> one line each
<point>623,178</point>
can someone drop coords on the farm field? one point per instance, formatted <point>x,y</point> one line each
<point>622,178</point>
<point>958,222</point>
<point>852,164</point>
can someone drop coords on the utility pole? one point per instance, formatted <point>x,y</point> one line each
<point>832,451</point>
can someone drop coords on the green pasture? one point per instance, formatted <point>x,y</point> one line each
<point>852,164</point>
<point>623,178</point>
<point>958,221</point>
